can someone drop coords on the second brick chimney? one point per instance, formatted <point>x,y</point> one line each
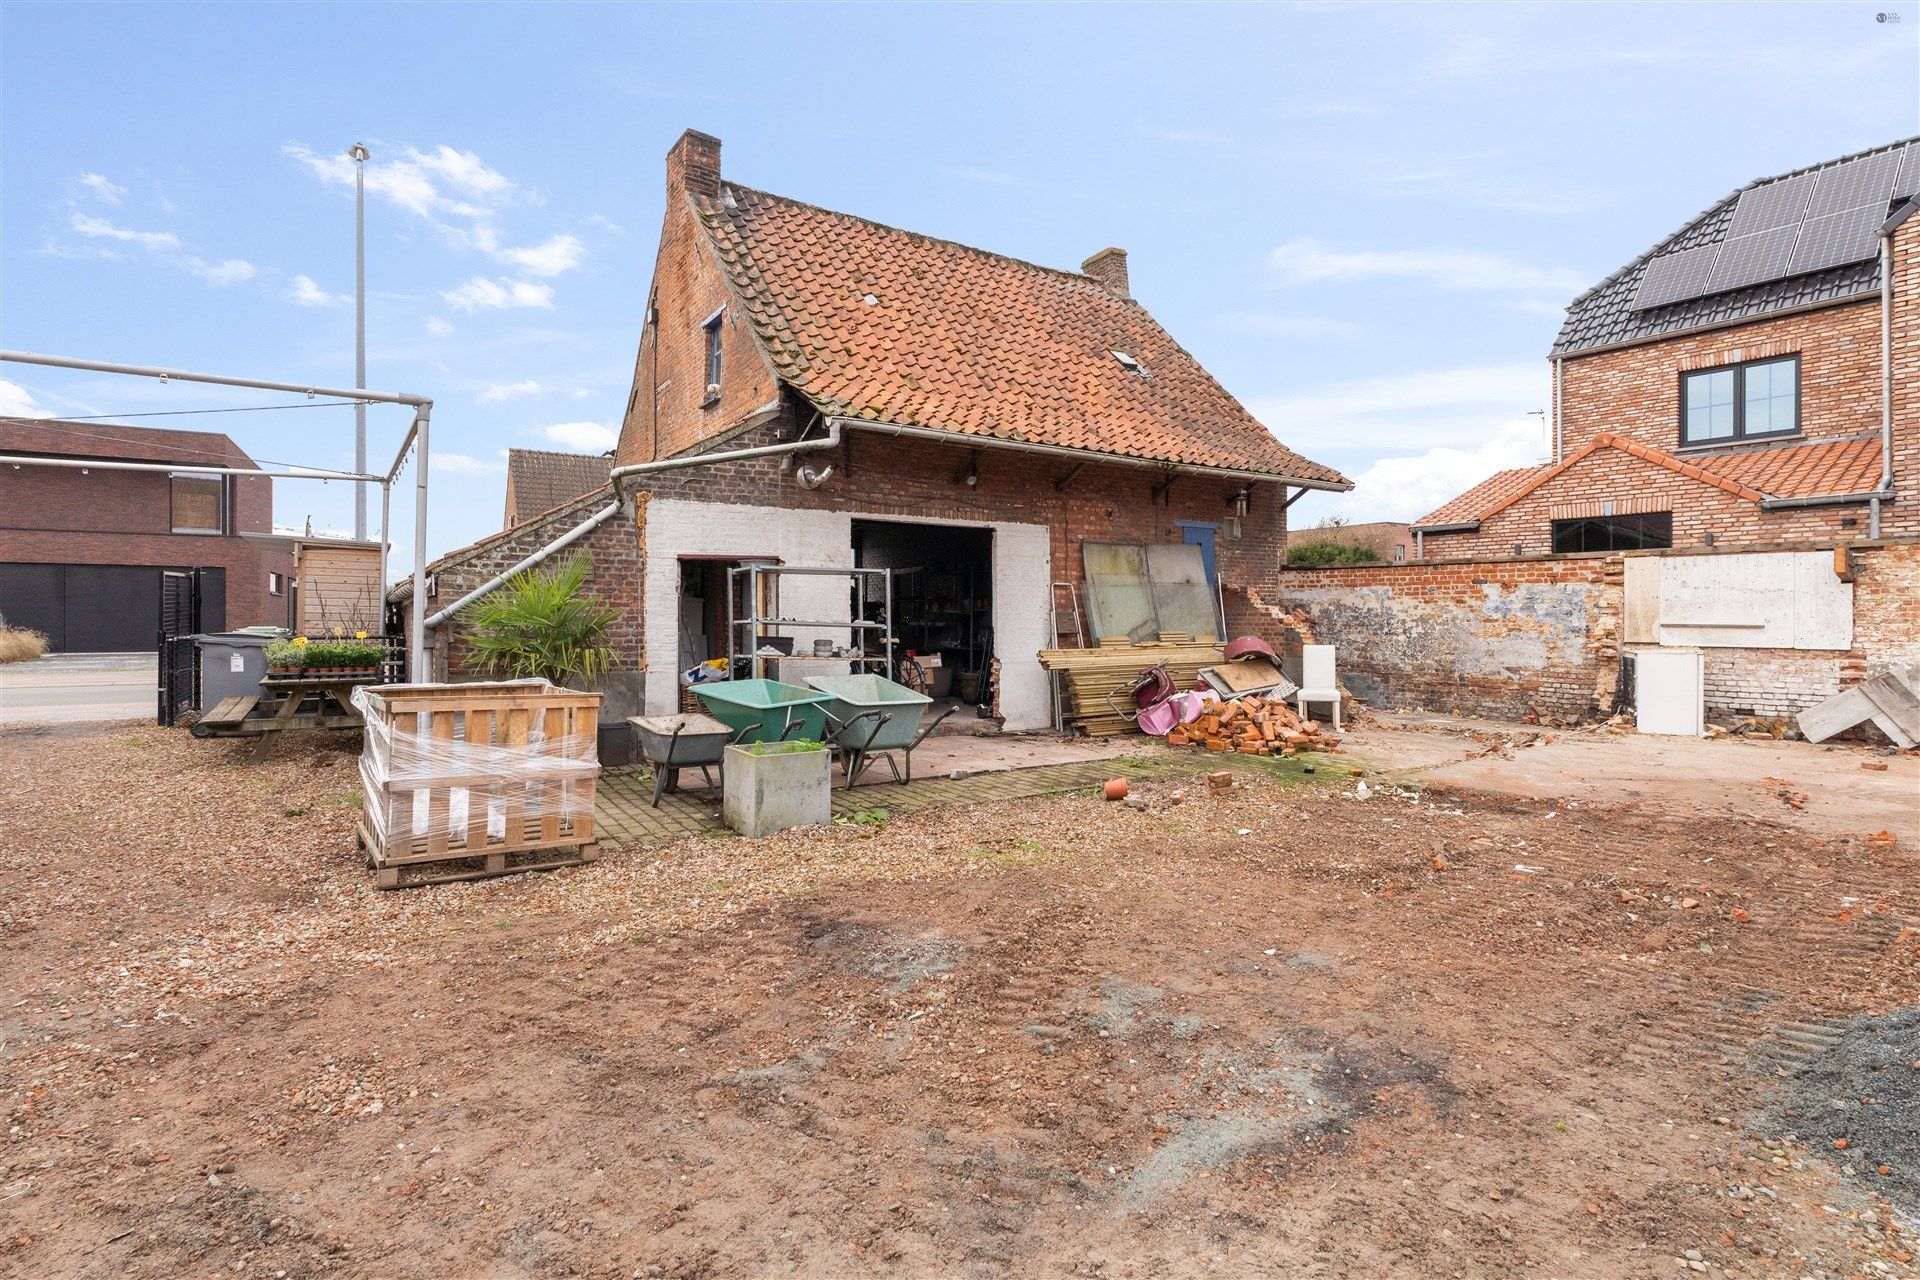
<point>1109,267</point>
<point>694,166</point>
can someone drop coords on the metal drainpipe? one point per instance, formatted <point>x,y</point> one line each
<point>829,441</point>
<point>1886,380</point>
<point>1559,434</point>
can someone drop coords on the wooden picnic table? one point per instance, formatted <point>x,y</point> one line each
<point>280,706</point>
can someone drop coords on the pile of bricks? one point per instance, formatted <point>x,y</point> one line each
<point>1254,726</point>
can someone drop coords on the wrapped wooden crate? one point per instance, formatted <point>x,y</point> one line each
<point>469,780</point>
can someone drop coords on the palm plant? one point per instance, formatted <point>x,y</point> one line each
<point>543,623</point>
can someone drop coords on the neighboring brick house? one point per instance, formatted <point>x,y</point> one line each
<point>1754,378</point>
<point>82,551</point>
<point>538,480</point>
<point>1390,541</point>
<point>986,421</point>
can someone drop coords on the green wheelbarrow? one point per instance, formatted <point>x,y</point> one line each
<point>871,716</point>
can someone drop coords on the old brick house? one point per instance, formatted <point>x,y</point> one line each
<point>816,390</point>
<point>538,480</point>
<point>83,550</point>
<point>1754,378</point>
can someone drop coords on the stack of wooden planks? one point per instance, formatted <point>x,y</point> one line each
<point>1089,679</point>
<point>1254,726</point>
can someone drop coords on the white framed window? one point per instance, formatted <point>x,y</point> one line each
<point>276,584</point>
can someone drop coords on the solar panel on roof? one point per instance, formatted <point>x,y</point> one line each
<point>1847,236</point>
<point>1674,276</point>
<point>1773,204</point>
<point>1865,181</point>
<point>1907,184</point>
<point>1747,260</point>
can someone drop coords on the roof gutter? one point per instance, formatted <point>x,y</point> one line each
<point>967,440</point>
<point>1457,526</point>
<point>1875,496</point>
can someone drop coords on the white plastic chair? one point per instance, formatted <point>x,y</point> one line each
<point>1317,680</point>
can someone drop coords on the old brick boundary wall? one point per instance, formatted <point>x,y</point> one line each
<point>1541,634</point>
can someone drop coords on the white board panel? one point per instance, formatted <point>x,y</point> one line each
<point>1765,600</point>
<point>1668,693</point>
<point>1641,600</point>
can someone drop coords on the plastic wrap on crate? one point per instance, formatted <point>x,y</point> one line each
<point>527,779</point>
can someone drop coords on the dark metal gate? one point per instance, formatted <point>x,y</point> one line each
<point>179,653</point>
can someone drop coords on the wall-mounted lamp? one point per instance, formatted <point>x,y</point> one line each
<point>1240,501</point>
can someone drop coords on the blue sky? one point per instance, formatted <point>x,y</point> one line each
<point>1365,220</point>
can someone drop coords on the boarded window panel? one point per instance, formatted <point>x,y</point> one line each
<point>1182,596</point>
<point>198,503</point>
<point>1763,600</point>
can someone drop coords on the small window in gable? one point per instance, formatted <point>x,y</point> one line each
<point>712,330</point>
<point>1740,401</point>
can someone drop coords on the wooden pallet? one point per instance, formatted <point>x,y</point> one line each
<point>411,873</point>
<point>535,825</point>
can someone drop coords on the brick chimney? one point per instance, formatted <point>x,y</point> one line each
<point>694,166</point>
<point>1109,267</point>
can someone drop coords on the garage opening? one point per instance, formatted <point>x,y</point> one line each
<point>942,609</point>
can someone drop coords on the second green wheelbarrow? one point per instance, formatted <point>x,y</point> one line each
<point>871,716</point>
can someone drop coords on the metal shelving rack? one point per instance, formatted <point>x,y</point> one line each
<point>752,628</point>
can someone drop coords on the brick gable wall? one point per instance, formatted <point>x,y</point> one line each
<point>667,410</point>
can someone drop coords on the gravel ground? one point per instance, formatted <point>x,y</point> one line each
<point>1859,1099</point>
<point>1287,1030</point>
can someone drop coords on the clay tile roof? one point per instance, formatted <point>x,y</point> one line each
<point>539,480</point>
<point>1803,470</point>
<point>966,341</point>
<point>1489,494</point>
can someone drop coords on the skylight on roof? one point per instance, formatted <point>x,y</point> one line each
<point>1128,363</point>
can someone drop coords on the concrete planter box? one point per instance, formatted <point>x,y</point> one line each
<point>762,794</point>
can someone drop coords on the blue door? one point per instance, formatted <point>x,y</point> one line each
<point>1195,534</point>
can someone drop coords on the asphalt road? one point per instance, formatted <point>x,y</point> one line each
<point>74,688</point>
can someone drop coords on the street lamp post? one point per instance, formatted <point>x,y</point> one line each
<point>360,153</point>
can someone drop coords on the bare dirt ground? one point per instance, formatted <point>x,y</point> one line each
<point>1286,1031</point>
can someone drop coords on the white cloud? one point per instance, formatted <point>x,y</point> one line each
<point>1278,326</point>
<point>99,228</point>
<point>552,257</point>
<point>227,271</point>
<point>482,294</point>
<point>307,293</point>
<point>103,189</point>
<point>438,328</point>
<point>1310,261</point>
<point>415,180</point>
<point>18,402</point>
<point>583,437</point>
<point>1406,488</point>
<point>1448,407</point>
<point>497,392</point>
<point>465,464</point>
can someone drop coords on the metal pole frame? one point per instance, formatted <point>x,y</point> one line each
<point>422,407</point>
<point>360,336</point>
